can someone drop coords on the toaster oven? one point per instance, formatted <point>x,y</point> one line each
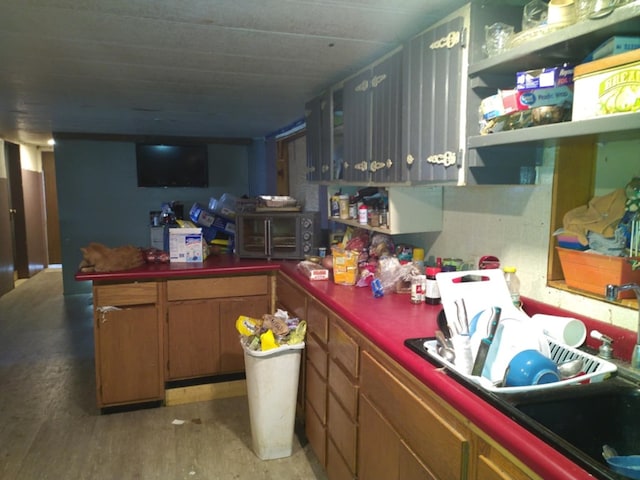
<point>278,235</point>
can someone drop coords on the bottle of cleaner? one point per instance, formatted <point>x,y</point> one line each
<point>513,282</point>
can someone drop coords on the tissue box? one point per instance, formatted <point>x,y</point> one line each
<point>185,245</point>
<point>614,46</point>
<point>607,86</point>
<point>544,77</point>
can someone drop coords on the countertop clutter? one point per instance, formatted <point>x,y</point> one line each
<point>386,322</point>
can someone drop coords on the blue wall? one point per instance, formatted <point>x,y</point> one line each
<point>99,200</point>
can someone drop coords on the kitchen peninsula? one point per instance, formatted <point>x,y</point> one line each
<point>370,403</point>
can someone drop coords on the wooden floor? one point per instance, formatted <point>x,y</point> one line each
<point>50,427</point>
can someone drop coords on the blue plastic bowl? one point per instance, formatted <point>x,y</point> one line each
<point>530,367</point>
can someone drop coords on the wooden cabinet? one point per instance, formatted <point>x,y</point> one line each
<point>342,400</point>
<point>492,464</point>
<point>201,339</point>
<point>128,346</point>
<point>418,425</point>
<point>433,131</point>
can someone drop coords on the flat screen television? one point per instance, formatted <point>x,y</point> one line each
<point>160,165</point>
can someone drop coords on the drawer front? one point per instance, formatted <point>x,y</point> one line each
<point>219,287</point>
<point>318,320</point>
<point>343,431</point>
<point>343,349</point>
<point>316,432</point>
<point>125,294</point>
<point>292,298</point>
<point>344,390</point>
<point>316,355</point>
<point>316,393</point>
<point>428,430</point>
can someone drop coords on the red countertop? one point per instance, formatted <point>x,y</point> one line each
<point>388,322</point>
<point>214,265</point>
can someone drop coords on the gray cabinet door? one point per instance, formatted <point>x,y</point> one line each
<point>386,120</point>
<point>313,119</point>
<point>357,127</point>
<point>432,103</point>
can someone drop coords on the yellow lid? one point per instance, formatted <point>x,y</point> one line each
<point>509,269</point>
<point>418,253</point>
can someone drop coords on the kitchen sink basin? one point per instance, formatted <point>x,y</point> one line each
<point>581,419</point>
<point>576,419</point>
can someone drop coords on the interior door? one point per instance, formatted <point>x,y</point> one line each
<point>54,247</point>
<point>6,237</point>
<point>18,221</point>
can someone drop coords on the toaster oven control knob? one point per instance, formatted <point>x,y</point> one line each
<point>306,223</point>
<point>307,248</point>
<point>306,236</point>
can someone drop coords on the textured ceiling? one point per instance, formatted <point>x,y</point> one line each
<point>206,68</point>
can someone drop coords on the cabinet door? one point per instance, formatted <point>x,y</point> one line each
<point>313,119</point>
<point>357,127</point>
<point>386,120</point>
<point>433,102</point>
<point>231,353</point>
<point>193,338</point>
<point>128,355</point>
<point>381,451</point>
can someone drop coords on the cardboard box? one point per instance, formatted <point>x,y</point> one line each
<point>607,86</point>
<point>540,97</point>
<point>545,77</point>
<point>592,272</point>
<point>615,46</point>
<point>185,245</point>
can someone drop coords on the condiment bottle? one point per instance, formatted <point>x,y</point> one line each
<point>432,292</point>
<point>513,282</point>
<point>418,287</point>
<point>363,214</point>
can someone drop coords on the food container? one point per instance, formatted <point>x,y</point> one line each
<point>592,272</point>
<point>607,86</point>
<point>345,266</point>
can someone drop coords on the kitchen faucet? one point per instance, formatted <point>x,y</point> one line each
<point>612,292</point>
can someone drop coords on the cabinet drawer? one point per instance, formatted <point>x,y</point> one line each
<point>316,355</point>
<point>337,468</point>
<point>291,298</point>
<point>343,431</point>
<point>125,294</point>
<point>316,393</point>
<point>316,432</point>
<point>343,389</point>
<point>318,320</point>
<point>426,428</point>
<point>220,287</point>
<point>343,349</point>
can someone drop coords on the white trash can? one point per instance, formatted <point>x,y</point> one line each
<point>272,388</point>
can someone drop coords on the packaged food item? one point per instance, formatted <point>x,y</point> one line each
<point>313,271</point>
<point>345,266</point>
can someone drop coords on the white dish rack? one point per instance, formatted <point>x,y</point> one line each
<point>595,369</point>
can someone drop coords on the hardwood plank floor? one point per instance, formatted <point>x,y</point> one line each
<point>50,427</point>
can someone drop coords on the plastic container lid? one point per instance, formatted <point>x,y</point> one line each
<point>509,269</point>
<point>433,270</point>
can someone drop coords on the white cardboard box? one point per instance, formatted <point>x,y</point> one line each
<point>185,245</point>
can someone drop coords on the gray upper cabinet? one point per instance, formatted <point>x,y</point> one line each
<point>318,117</point>
<point>432,145</point>
<point>373,122</point>
<point>498,157</point>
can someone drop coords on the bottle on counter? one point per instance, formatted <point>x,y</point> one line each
<point>432,292</point>
<point>418,258</point>
<point>418,287</point>
<point>513,282</point>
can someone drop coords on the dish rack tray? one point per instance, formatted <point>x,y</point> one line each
<point>595,369</point>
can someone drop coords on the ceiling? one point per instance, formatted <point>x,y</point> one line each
<point>204,68</point>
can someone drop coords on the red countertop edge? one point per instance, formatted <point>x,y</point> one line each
<point>214,265</point>
<point>387,322</point>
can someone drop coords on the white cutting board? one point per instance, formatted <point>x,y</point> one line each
<point>490,291</point>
